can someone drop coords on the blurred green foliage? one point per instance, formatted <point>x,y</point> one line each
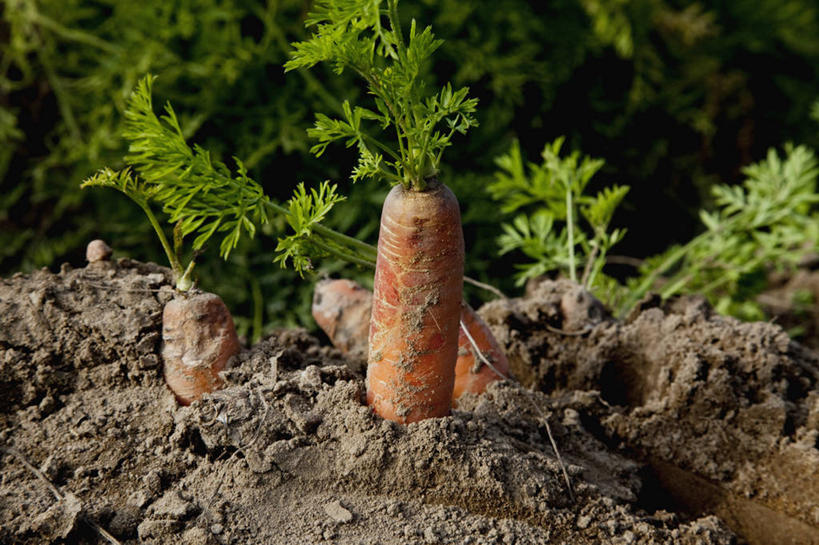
<point>675,96</point>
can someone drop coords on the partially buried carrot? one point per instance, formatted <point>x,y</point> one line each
<point>480,358</point>
<point>198,338</point>
<point>342,309</point>
<point>413,340</point>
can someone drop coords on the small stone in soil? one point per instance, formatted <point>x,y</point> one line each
<point>97,250</point>
<point>337,512</point>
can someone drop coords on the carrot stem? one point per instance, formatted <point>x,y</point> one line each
<point>176,266</point>
<point>570,227</point>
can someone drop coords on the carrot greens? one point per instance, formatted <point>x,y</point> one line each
<point>552,198</point>
<point>365,36</point>
<point>203,197</point>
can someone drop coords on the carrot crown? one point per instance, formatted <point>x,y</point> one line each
<point>365,36</point>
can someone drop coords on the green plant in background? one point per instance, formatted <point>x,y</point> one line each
<point>671,96</point>
<point>567,230</point>
<point>768,222</point>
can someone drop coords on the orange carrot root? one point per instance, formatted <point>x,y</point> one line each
<point>471,373</point>
<point>342,309</point>
<point>416,305</point>
<point>198,340</point>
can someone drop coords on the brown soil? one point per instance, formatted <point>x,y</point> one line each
<point>725,413</point>
<point>676,398</point>
<point>793,302</point>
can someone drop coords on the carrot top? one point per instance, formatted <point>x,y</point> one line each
<point>365,36</point>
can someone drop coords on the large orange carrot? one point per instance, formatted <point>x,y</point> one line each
<point>198,338</point>
<point>476,347</point>
<point>413,341</point>
<point>342,309</point>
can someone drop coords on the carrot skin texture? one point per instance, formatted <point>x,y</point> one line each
<point>471,374</point>
<point>413,339</point>
<point>198,339</point>
<point>342,309</point>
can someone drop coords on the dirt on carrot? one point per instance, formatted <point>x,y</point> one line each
<point>286,452</point>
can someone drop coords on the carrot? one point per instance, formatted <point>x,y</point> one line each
<point>342,309</point>
<point>198,338</point>
<point>476,346</point>
<point>413,341</point>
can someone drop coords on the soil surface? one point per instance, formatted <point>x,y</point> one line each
<point>676,426</point>
<point>793,302</point>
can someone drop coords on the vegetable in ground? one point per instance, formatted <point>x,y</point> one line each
<point>481,360</point>
<point>342,309</point>
<point>198,334</point>
<point>413,338</point>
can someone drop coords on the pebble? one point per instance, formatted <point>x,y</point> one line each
<point>394,509</point>
<point>47,405</point>
<point>338,512</point>
<point>153,481</point>
<point>97,250</point>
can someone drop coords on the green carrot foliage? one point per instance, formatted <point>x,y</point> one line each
<point>365,36</point>
<point>552,236</point>
<point>770,220</point>
<point>204,197</point>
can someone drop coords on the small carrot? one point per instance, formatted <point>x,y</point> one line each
<point>198,338</point>
<point>413,341</point>
<point>342,309</point>
<point>480,358</point>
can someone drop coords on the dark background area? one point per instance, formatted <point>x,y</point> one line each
<point>674,96</point>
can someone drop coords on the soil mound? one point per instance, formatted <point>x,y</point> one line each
<point>287,453</point>
<point>725,412</point>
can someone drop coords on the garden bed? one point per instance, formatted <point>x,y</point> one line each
<point>675,426</point>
